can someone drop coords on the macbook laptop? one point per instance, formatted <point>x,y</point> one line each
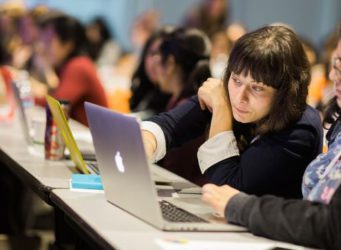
<point>76,156</point>
<point>128,183</point>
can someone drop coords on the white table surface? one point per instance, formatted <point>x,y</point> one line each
<point>121,230</point>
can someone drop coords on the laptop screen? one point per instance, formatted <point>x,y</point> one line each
<point>63,126</point>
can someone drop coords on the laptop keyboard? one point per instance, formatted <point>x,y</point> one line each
<point>93,166</point>
<point>175,214</point>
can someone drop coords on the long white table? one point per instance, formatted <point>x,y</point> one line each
<point>96,221</point>
<point>27,162</point>
<point>112,228</point>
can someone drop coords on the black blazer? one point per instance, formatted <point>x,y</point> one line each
<point>273,164</point>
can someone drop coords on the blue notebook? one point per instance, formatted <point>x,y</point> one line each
<point>86,181</point>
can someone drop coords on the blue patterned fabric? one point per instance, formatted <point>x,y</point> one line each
<point>322,177</point>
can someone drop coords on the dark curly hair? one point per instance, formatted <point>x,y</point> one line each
<point>275,56</point>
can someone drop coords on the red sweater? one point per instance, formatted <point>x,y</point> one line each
<point>78,83</point>
<point>7,79</point>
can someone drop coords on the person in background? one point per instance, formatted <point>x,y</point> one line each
<point>326,90</point>
<point>70,74</point>
<point>102,48</point>
<point>10,14</point>
<point>182,64</point>
<point>313,222</point>
<point>234,31</point>
<point>210,16</point>
<point>146,95</point>
<point>143,27</point>
<point>318,79</point>
<point>7,102</point>
<point>28,30</point>
<point>221,47</point>
<point>262,133</point>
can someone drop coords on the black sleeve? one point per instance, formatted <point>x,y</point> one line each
<point>273,164</point>
<point>295,221</point>
<point>183,123</point>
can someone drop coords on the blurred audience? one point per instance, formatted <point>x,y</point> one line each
<point>221,47</point>
<point>182,65</point>
<point>28,31</point>
<point>70,74</point>
<point>318,77</point>
<point>234,31</point>
<point>210,16</point>
<point>328,48</point>
<point>7,103</point>
<point>146,95</point>
<point>10,14</point>
<point>102,47</point>
<point>143,27</point>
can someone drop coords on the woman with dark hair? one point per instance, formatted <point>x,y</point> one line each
<point>102,48</point>
<point>63,46</point>
<point>182,64</point>
<point>314,222</point>
<point>262,133</point>
<point>146,94</point>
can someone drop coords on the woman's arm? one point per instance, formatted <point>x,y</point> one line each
<point>212,96</point>
<point>295,221</point>
<point>273,164</point>
<point>189,120</point>
<point>182,123</point>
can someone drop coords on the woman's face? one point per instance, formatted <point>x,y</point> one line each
<point>150,61</point>
<point>168,75</point>
<point>52,49</point>
<point>250,100</point>
<point>335,72</point>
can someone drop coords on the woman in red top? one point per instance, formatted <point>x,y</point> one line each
<point>63,42</point>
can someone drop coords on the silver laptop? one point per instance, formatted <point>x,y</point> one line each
<point>128,183</point>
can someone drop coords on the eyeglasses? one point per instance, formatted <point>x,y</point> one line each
<point>337,66</point>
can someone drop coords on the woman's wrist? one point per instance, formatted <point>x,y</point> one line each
<point>150,143</point>
<point>221,119</point>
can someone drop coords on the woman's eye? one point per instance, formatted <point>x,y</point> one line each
<point>257,88</point>
<point>236,81</point>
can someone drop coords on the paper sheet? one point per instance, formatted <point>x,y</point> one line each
<point>178,244</point>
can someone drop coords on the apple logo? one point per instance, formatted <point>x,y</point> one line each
<point>119,162</point>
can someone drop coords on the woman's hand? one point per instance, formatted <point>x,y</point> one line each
<point>212,94</point>
<point>218,197</point>
<point>150,144</point>
<point>46,70</point>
